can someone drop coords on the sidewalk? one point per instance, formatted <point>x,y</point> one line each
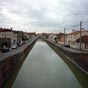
<point>70,49</point>
<point>15,51</point>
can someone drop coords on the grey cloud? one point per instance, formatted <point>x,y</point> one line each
<point>71,12</point>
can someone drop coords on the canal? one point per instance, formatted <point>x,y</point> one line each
<point>43,68</point>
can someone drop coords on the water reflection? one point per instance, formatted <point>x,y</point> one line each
<point>43,68</point>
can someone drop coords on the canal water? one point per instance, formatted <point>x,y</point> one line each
<point>43,68</point>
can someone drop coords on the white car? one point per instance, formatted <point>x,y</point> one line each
<point>14,46</point>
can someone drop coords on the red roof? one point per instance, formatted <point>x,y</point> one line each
<point>5,30</point>
<point>74,33</point>
<point>84,39</point>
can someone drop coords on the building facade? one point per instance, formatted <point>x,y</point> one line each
<point>71,39</point>
<point>7,37</point>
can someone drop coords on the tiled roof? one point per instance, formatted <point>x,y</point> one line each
<point>5,30</point>
<point>84,39</point>
<point>74,33</point>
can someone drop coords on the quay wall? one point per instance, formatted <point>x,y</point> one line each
<point>77,58</point>
<point>9,64</point>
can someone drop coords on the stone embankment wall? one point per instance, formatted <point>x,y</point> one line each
<point>78,58</point>
<point>8,64</point>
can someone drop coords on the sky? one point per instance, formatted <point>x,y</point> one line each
<point>43,15</point>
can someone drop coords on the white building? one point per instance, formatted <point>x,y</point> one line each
<point>9,33</point>
<point>72,38</point>
<point>52,37</point>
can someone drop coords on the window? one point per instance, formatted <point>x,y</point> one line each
<point>86,45</point>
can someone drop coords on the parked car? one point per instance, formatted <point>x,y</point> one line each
<point>5,49</point>
<point>14,46</point>
<point>67,46</point>
<point>23,42</point>
<point>20,44</point>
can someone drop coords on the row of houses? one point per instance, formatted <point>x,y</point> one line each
<point>71,39</point>
<point>10,36</point>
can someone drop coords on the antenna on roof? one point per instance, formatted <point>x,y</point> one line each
<point>73,30</point>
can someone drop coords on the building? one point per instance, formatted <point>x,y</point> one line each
<point>19,36</point>
<point>61,38</point>
<point>84,42</point>
<point>73,37</point>
<point>32,34</point>
<point>26,36</point>
<point>7,37</point>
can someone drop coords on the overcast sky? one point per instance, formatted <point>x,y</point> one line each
<point>43,15</point>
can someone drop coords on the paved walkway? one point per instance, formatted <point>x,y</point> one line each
<point>70,49</point>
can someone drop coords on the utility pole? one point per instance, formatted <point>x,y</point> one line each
<point>64,36</point>
<point>80,34</point>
